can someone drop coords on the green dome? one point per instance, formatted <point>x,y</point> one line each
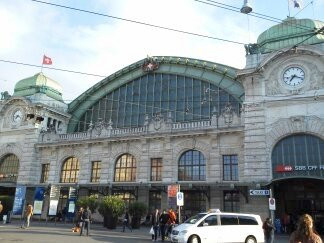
<point>39,83</point>
<point>290,32</point>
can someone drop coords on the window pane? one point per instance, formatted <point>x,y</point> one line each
<point>125,169</point>
<point>191,166</point>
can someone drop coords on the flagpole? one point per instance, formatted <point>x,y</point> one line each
<point>288,8</point>
<point>42,64</point>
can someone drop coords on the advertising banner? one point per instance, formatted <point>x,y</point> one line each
<point>71,202</point>
<point>172,196</point>
<point>19,200</point>
<point>53,208</point>
<point>38,200</point>
<point>54,198</point>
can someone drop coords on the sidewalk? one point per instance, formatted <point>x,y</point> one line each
<point>40,231</point>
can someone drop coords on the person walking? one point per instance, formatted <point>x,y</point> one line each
<point>305,232</point>
<point>86,217</point>
<point>28,213</point>
<point>1,209</point>
<point>268,229</point>
<point>163,223</point>
<point>78,220</point>
<point>171,222</point>
<point>126,222</point>
<point>155,223</point>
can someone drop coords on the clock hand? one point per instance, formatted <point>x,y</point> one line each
<point>292,77</point>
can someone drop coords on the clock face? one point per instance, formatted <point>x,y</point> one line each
<point>17,116</point>
<point>294,76</point>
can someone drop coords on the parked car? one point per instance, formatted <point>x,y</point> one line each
<point>216,227</point>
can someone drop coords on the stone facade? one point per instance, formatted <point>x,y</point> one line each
<point>271,111</point>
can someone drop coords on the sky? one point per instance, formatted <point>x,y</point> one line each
<point>99,45</point>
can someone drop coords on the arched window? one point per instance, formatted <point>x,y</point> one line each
<point>186,98</point>
<point>192,166</point>
<point>9,166</point>
<point>70,170</point>
<point>298,155</point>
<point>125,169</point>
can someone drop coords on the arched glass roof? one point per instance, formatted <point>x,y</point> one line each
<point>190,89</point>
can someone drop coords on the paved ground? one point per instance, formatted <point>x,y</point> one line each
<point>40,232</point>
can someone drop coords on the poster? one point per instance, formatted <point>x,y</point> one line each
<point>38,206</point>
<point>71,206</point>
<point>53,208</point>
<point>172,196</point>
<point>19,200</point>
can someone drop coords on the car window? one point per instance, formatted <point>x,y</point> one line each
<point>195,218</point>
<point>247,220</point>
<point>229,220</point>
<point>210,220</point>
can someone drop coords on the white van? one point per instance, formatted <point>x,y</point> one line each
<point>216,227</point>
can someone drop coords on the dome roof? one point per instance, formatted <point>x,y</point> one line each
<point>290,32</point>
<point>39,83</point>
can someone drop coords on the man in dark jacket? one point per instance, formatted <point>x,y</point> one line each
<point>86,217</point>
<point>155,223</point>
<point>163,221</point>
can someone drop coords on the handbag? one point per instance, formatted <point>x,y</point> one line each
<point>152,231</point>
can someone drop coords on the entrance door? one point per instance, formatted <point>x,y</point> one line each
<point>299,196</point>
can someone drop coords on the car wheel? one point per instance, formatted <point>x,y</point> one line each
<point>250,239</point>
<point>194,239</point>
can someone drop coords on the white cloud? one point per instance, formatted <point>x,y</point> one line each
<point>93,44</point>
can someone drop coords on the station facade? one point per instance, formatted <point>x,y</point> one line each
<point>215,131</point>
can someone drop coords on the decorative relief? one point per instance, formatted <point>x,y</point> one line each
<point>12,148</point>
<point>188,144</point>
<point>274,78</point>
<point>296,124</point>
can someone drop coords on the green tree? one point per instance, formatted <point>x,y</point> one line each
<point>137,210</point>
<point>92,202</point>
<point>111,207</point>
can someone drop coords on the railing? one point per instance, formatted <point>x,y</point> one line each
<point>136,131</point>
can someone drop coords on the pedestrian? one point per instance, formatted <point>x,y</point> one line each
<point>268,229</point>
<point>172,221</point>
<point>1,209</point>
<point>29,211</point>
<point>155,223</point>
<point>86,218</point>
<point>78,220</point>
<point>305,232</point>
<point>126,222</point>
<point>163,223</point>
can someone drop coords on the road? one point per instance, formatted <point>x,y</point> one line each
<point>40,232</point>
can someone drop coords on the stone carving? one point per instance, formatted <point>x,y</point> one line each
<point>5,95</point>
<point>251,49</point>
<point>157,121</point>
<point>296,124</point>
<point>227,113</point>
<point>150,65</point>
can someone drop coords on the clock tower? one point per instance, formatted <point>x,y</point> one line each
<point>36,106</point>
<point>283,109</point>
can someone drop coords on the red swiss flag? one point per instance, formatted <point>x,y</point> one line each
<point>47,60</point>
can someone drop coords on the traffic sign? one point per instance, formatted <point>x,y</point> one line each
<point>272,203</point>
<point>259,192</point>
<point>180,198</point>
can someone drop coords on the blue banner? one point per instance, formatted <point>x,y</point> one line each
<point>39,194</point>
<point>38,200</point>
<point>19,200</point>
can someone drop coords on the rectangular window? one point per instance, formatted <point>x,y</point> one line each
<point>231,201</point>
<point>95,171</point>
<point>230,168</point>
<point>156,169</point>
<point>45,171</point>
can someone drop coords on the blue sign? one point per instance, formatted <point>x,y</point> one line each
<point>39,193</point>
<point>19,200</point>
